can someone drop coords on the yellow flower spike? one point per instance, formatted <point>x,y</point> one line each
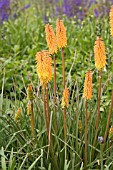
<point>111,20</point>
<point>88,85</point>
<point>51,39</point>
<point>99,54</point>
<point>44,67</point>
<point>17,115</point>
<point>65,98</point>
<point>29,92</point>
<point>61,34</point>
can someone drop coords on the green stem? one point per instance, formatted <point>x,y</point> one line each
<point>101,156</point>
<point>77,119</point>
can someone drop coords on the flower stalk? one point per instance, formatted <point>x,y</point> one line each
<point>52,44</point>
<point>63,67</point>
<point>98,109</point>
<point>48,115</point>
<point>30,107</point>
<point>47,120</point>
<point>62,43</point>
<point>88,95</point>
<point>55,103</point>
<point>63,74</point>
<point>32,118</point>
<point>45,112</point>
<point>100,62</point>
<point>65,103</point>
<point>86,135</point>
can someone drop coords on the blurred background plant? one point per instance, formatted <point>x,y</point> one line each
<point>77,9</point>
<point>4,10</point>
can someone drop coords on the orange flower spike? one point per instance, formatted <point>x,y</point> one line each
<point>99,54</point>
<point>88,85</point>
<point>111,20</point>
<point>61,34</point>
<point>51,39</point>
<point>65,98</point>
<point>44,67</point>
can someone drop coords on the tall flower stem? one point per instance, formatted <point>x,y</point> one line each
<point>65,124</point>
<point>64,110</point>
<point>98,111</point>
<point>55,117</point>
<point>47,119</point>
<point>48,114</point>
<point>45,111</point>
<point>63,67</point>
<point>30,108</point>
<point>108,121</point>
<point>32,118</point>
<point>63,74</point>
<point>86,135</point>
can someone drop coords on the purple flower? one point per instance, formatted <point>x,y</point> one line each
<point>46,19</point>
<point>96,12</point>
<point>80,8</point>
<point>27,6</point>
<point>91,2</point>
<point>67,8</point>
<point>4,16</point>
<point>101,139</point>
<point>77,2</point>
<point>4,7</point>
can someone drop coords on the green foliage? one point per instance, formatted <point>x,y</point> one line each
<point>4,160</point>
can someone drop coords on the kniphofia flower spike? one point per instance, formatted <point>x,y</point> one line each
<point>99,54</point>
<point>51,39</point>
<point>88,85</point>
<point>61,34</point>
<point>44,67</point>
